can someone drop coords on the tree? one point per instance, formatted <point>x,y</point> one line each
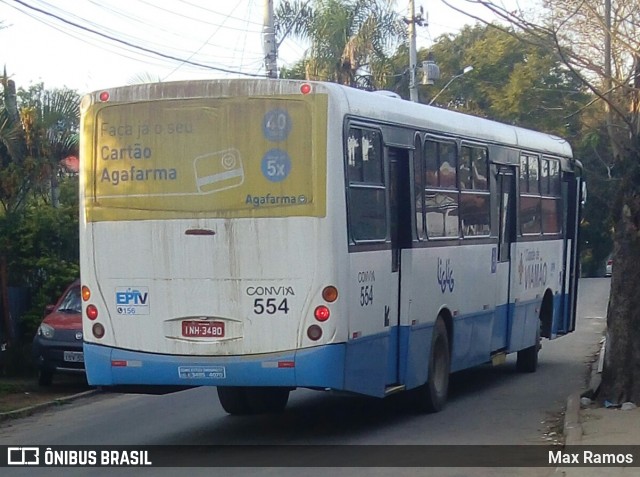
<point>512,81</point>
<point>38,128</point>
<point>600,43</point>
<point>349,39</point>
<point>51,121</point>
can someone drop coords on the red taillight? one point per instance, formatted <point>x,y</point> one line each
<point>314,332</point>
<point>92,312</point>
<point>104,96</point>
<point>609,262</point>
<point>86,293</point>
<point>322,313</point>
<point>98,330</point>
<point>305,88</point>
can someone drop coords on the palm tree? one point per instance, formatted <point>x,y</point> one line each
<point>350,39</point>
<point>50,122</point>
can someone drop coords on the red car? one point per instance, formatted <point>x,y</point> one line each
<point>57,346</point>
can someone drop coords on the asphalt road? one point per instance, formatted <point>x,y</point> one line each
<point>487,405</point>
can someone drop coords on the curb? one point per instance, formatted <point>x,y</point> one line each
<point>28,411</point>
<point>572,427</point>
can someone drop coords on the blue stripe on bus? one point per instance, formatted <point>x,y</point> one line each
<point>314,367</point>
<point>365,365</point>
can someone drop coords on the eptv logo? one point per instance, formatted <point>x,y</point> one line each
<point>132,297</point>
<point>23,456</point>
<point>132,300</point>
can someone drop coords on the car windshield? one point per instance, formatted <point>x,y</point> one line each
<point>71,301</point>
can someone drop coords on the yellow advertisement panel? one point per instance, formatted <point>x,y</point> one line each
<point>206,157</point>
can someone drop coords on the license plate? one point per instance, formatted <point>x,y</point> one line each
<point>74,356</point>
<point>203,329</point>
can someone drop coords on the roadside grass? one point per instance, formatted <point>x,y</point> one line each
<point>24,392</point>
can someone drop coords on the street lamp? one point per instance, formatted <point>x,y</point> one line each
<point>464,71</point>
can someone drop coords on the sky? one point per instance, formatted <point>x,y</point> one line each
<point>89,45</point>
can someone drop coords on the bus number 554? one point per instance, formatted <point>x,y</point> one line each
<point>366,295</point>
<point>270,306</point>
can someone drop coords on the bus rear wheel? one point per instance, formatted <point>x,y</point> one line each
<point>432,395</point>
<point>244,400</point>
<point>527,361</point>
<point>234,400</point>
<point>267,400</point>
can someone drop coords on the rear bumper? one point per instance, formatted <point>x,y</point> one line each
<point>320,367</point>
<point>49,354</point>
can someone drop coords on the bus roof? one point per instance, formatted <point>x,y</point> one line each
<point>394,110</point>
<point>381,107</point>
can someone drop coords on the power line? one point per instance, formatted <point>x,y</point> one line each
<point>131,44</point>
<point>247,21</point>
<point>202,46</point>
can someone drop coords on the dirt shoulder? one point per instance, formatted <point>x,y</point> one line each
<point>20,393</point>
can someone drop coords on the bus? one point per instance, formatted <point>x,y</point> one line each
<point>266,235</point>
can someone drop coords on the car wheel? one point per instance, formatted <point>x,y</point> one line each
<point>45,377</point>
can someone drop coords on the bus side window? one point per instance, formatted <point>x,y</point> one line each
<point>464,169</point>
<point>448,168</point>
<point>475,212</point>
<point>524,175</point>
<point>367,213</point>
<point>441,189</point>
<point>530,203</point>
<point>550,207</point>
<point>430,155</point>
<point>530,220</point>
<point>418,187</point>
<point>534,175</point>
<point>367,198</point>
<point>441,210</point>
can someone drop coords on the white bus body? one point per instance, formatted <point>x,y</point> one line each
<point>220,218</point>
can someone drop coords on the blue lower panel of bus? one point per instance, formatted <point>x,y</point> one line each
<point>366,365</point>
<point>315,367</point>
<point>362,366</point>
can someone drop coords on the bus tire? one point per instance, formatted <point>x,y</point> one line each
<point>267,400</point>
<point>432,395</point>
<point>527,361</point>
<point>234,400</point>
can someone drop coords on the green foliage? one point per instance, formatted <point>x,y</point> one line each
<point>512,81</point>
<point>43,250</point>
<point>603,183</point>
<point>38,128</point>
<point>39,247</point>
<point>296,72</point>
<point>350,39</point>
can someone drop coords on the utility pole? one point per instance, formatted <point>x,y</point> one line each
<point>269,41</point>
<point>413,53</point>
